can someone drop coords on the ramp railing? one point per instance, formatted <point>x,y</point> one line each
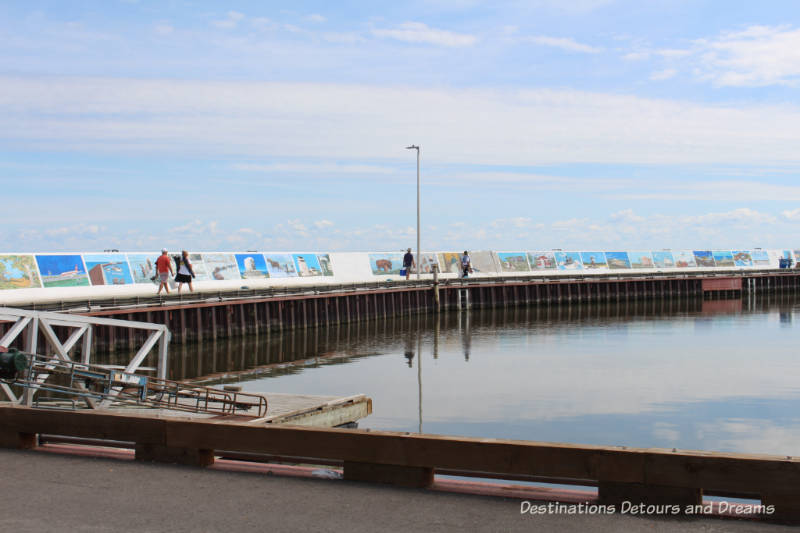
<point>30,324</point>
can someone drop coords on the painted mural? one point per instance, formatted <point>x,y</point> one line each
<point>569,261</point>
<point>618,260</point>
<point>594,260</point>
<point>704,258</point>
<point>386,264</point>
<point>325,264</point>
<point>742,258</point>
<point>221,266</point>
<point>723,258</point>
<point>663,260</point>
<point>513,262</point>
<point>108,269</point>
<point>450,262</point>
<point>542,260</point>
<point>483,262</point>
<point>685,259</point>
<point>251,266</point>
<point>143,267</point>
<point>18,272</point>
<point>427,260</point>
<point>280,266</point>
<point>760,258</point>
<point>62,271</point>
<point>307,265</point>
<point>641,259</point>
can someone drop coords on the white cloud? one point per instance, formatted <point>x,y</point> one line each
<point>793,214</point>
<point>564,43</point>
<point>163,28</point>
<point>663,74</point>
<point>756,56</point>
<point>362,122</point>
<point>322,224</point>
<point>313,168</point>
<point>230,21</point>
<point>418,32</point>
<point>316,17</point>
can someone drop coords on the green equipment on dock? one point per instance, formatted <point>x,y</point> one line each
<point>12,363</point>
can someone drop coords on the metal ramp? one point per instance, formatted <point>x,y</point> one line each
<point>67,382</point>
<point>30,324</point>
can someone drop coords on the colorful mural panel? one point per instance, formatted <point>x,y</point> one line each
<point>618,260</point>
<point>569,261</point>
<point>18,272</point>
<point>108,269</point>
<point>62,271</point>
<point>221,266</point>
<point>760,258</point>
<point>594,260</point>
<point>251,265</point>
<point>685,259</point>
<point>482,261</point>
<point>641,259</point>
<point>280,266</point>
<point>143,267</point>
<point>386,264</point>
<point>723,258</point>
<point>325,264</point>
<point>307,265</point>
<point>542,260</point>
<point>663,260</point>
<point>450,262</point>
<point>513,262</point>
<point>704,258</point>
<point>742,258</point>
<point>427,260</point>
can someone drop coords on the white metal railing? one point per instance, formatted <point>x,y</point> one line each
<point>31,323</point>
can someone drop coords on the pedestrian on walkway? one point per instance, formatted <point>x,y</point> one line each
<point>185,271</point>
<point>164,269</point>
<point>408,262</point>
<point>466,265</point>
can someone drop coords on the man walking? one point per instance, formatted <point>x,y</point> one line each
<point>164,270</point>
<point>408,262</point>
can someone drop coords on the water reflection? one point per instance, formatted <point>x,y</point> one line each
<point>685,373</point>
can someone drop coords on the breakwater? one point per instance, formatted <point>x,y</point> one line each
<point>209,316</point>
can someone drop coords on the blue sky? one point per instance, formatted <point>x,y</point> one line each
<point>591,124</point>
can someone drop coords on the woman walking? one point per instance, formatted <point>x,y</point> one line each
<point>185,272</point>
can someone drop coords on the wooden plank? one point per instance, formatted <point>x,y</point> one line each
<point>90,424</point>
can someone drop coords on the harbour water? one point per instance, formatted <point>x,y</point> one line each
<point>689,374</point>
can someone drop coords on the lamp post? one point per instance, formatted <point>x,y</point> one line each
<point>414,147</point>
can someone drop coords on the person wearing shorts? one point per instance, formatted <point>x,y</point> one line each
<point>164,270</point>
<point>185,271</point>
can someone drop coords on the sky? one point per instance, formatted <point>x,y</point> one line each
<point>260,125</point>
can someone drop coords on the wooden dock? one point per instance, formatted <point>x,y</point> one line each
<point>287,409</point>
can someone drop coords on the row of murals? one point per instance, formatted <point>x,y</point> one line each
<point>512,262</point>
<point>56,270</point>
<point>76,270</point>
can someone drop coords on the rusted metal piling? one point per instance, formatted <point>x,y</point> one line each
<point>205,318</point>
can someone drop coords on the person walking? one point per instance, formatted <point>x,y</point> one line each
<point>164,270</point>
<point>185,271</point>
<point>466,265</point>
<point>408,262</point>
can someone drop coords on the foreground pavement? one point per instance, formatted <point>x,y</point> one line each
<point>45,492</point>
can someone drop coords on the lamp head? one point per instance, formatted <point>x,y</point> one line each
<point>412,147</point>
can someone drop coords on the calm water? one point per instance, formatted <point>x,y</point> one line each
<point>690,374</point>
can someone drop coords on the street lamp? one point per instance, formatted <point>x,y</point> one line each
<point>413,147</point>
